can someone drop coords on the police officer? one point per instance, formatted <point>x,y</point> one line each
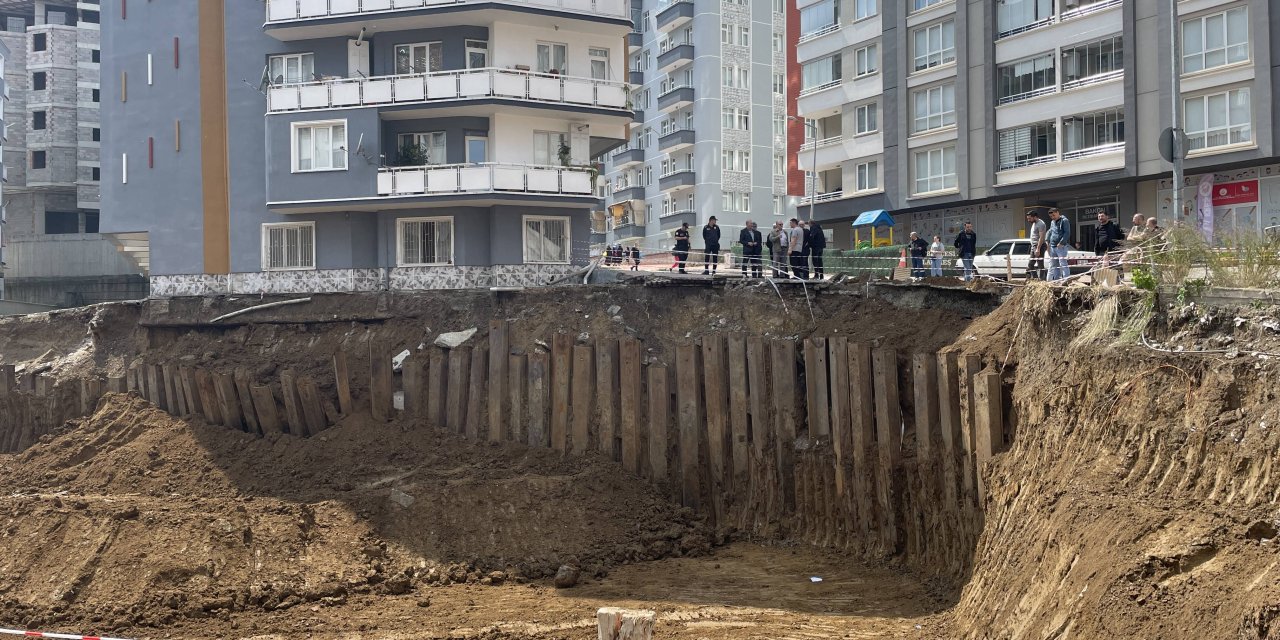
<point>711,246</point>
<point>681,248</point>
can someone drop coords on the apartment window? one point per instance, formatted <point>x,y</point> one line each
<point>779,83</point>
<point>551,57</point>
<point>864,9</point>
<point>546,240</point>
<point>1215,40</point>
<point>38,120</point>
<point>92,222</point>
<point>1218,119</point>
<point>917,5</point>
<point>736,201</point>
<point>96,134</point>
<point>733,118</point>
<point>422,57</point>
<point>744,36</point>
<point>820,74</point>
<point>1016,16</point>
<point>779,164</point>
<point>735,77</point>
<point>90,16</point>
<point>726,33</point>
<point>39,80</point>
<point>61,222</point>
<point>292,68</point>
<point>819,18</point>
<point>935,45</point>
<point>424,241</point>
<point>1092,62</point>
<point>1028,145</point>
<point>319,146</point>
<point>39,42</point>
<point>288,246</point>
<point>96,95</point>
<point>95,56</point>
<point>646,60</point>
<point>96,174</point>
<point>736,160</point>
<point>779,6</point>
<point>38,159</point>
<point>867,60</point>
<point>867,176</point>
<point>1091,133</point>
<point>546,146</point>
<point>779,126</point>
<point>935,170</point>
<point>644,20</point>
<point>478,54</point>
<point>777,42</point>
<point>865,119</point>
<point>1025,79</point>
<point>422,148</point>
<point>648,174</point>
<point>599,59</point>
<point>933,108</point>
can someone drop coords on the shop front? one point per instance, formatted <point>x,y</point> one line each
<point>1244,201</point>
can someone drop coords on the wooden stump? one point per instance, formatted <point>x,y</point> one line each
<point>625,624</point>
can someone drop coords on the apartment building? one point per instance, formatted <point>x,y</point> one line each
<point>55,253</point>
<point>942,111</point>
<point>708,84</point>
<point>358,144</point>
<point>4,176</point>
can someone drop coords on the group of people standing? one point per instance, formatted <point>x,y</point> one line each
<point>1110,241</point>
<point>792,248</point>
<point>618,254</point>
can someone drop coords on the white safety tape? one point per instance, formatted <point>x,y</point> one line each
<point>62,636</point>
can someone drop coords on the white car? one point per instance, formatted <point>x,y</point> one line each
<point>1015,253</point>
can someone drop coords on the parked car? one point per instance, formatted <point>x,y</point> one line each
<point>1016,253</point>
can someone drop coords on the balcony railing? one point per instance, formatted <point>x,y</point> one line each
<point>1086,7</point>
<point>286,10</point>
<point>671,214</point>
<point>818,33</point>
<point>1093,151</point>
<point>439,180</point>
<point>823,197</point>
<point>822,87</point>
<point>1092,80</point>
<point>826,142</point>
<point>465,84</point>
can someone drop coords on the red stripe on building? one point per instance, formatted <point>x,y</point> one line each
<point>795,129</point>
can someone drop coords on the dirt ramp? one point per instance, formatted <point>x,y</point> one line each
<point>134,517</point>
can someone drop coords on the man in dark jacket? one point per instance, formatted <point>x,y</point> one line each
<point>817,244</point>
<point>967,245</point>
<point>681,248</point>
<point>1109,237</point>
<point>711,246</point>
<point>752,246</point>
<point>919,249</point>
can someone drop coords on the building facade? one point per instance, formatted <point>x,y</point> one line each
<point>55,253</point>
<point>358,145</point>
<point>708,84</point>
<point>942,111</point>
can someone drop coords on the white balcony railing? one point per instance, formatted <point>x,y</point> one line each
<point>492,177</point>
<point>287,10</point>
<point>443,86</point>
<point>818,33</point>
<point>825,142</point>
<point>1093,151</point>
<point>823,197</point>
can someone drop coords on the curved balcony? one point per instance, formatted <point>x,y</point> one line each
<point>675,98</point>
<point>287,12</point>
<point>627,157</point>
<point>449,86</point>
<point>680,179</point>
<point>674,15</point>
<point>485,178</point>
<point>676,140</point>
<point>675,57</point>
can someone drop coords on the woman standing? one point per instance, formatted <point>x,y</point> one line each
<point>936,252</point>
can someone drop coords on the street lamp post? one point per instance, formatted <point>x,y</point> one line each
<point>1175,91</point>
<point>813,181</point>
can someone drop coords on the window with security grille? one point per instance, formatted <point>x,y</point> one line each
<point>425,241</point>
<point>288,246</point>
<point>546,240</point>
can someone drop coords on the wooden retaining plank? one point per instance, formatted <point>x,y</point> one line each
<point>785,400</point>
<point>539,382</point>
<point>988,423</point>
<point>739,411</point>
<point>155,386</point>
<point>716,397</point>
<point>117,384</point>
<point>241,380</point>
<point>969,365</point>
<point>437,386</point>
<point>862,436</point>
<point>459,379</point>
<point>312,408</point>
<point>949,424</point>
<point>607,388</point>
<point>191,390</point>
<point>582,399</point>
<point>688,385</point>
<point>342,380</point>
<point>925,390</point>
<point>476,405</point>
<point>381,383</point>
<point>561,377</point>
<point>888,444</point>
<point>292,403</point>
<point>841,420</point>
<point>760,424</point>
<point>630,394</point>
<point>165,372</point>
<point>412,379</point>
<point>264,406</point>
<point>8,385</point>
<point>228,401</point>
<point>209,404</point>
<point>517,387</point>
<point>817,386</point>
<point>499,353</point>
<point>659,421</point>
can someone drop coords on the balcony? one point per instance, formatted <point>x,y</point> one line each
<point>676,140</point>
<point>485,178</point>
<point>636,78</point>
<point>628,230</point>
<point>675,57</point>
<point>829,152</point>
<point>448,86</point>
<point>1071,9</point>
<point>672,219</point>
<point>823,197</point>
<point>675,98</point>
<point>680,179</point>
<point>287,11</point>
<point>632,193</point>
<point>637,116</point>
<point>675,15</point>
<point>627,157</point>
<point>1098,158</point>
<point>635,40</point>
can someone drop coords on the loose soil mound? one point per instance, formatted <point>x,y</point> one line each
<point>134,517</point>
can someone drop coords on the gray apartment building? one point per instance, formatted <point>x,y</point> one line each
<point>340,145</point>
<point>55,254</point>
<point>945,111</point>
<point>708,84</point>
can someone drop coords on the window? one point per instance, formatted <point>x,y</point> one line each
<point>96,95</point>
<point>736,160</point>
<point>38,119</point>
<point>867,60</point>
<point>865,119</point>
<point>92,222</point>
<point>319,146</point>
<point>934,108</point>
<point>1029,145</point>
<point>1092,132</point>
<point>61,222</point>
<point>819,18</point>
<point>777,42</point>
<point>90,16</point>
<point>647,60</point>
<point>423,57</point>
<point>735,77</point>
<point>779,164</point>
<point>644,20</point>
<point>477,54</point>
<point>96,135</point>
<point>39,80</point>
<point>1215,40</point>
<point>736,201</point>
<point>935,170</point>
<point>935,45</point>
<point>726,33</point>
<point>744,36</point>
<point>546,240</point>
<point>779,6</point>
<point>777,205</point>
<point>868,176</point>
<point>864,9</point>
<point>95,56</point>
<point>288,246</point>
<point>293,68</point>
<point>1016,16</point>
<point>39,41</point>
<point>917,5</point>
<point>1025,79</point>
<point>1096,61</point>
<point>820,74</point>
<point>424,241</point>
<point>648,174</point>
<point>1218,119</point>
<point>733,118</point>
<point>599,63</point>
<point>429,145</point>
<point>546,146</point>
<point>779,126</point>
<point>96,174</point>
<point>38,159</point>
<point>551,57</point>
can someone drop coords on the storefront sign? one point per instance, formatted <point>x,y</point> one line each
<point>1230,193</point>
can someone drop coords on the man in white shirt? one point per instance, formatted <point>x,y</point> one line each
<point>1035,266</point>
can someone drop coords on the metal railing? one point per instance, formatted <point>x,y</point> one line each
<point>462,84</point>
<point>1092,7</point>
<point>1092,80</point>
<point>825,142</point>
<point>823,197</point>
<point>288,10</point>
<point>1027,95</point>
<point>821,87</point>
<point>487,177</point>
<point>1093,151</point>
<point>818,33</point>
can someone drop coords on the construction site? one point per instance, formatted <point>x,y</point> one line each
<point>845,460</point>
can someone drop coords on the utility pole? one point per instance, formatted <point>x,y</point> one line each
<point>1175,92</point>
<point>813,178</point>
